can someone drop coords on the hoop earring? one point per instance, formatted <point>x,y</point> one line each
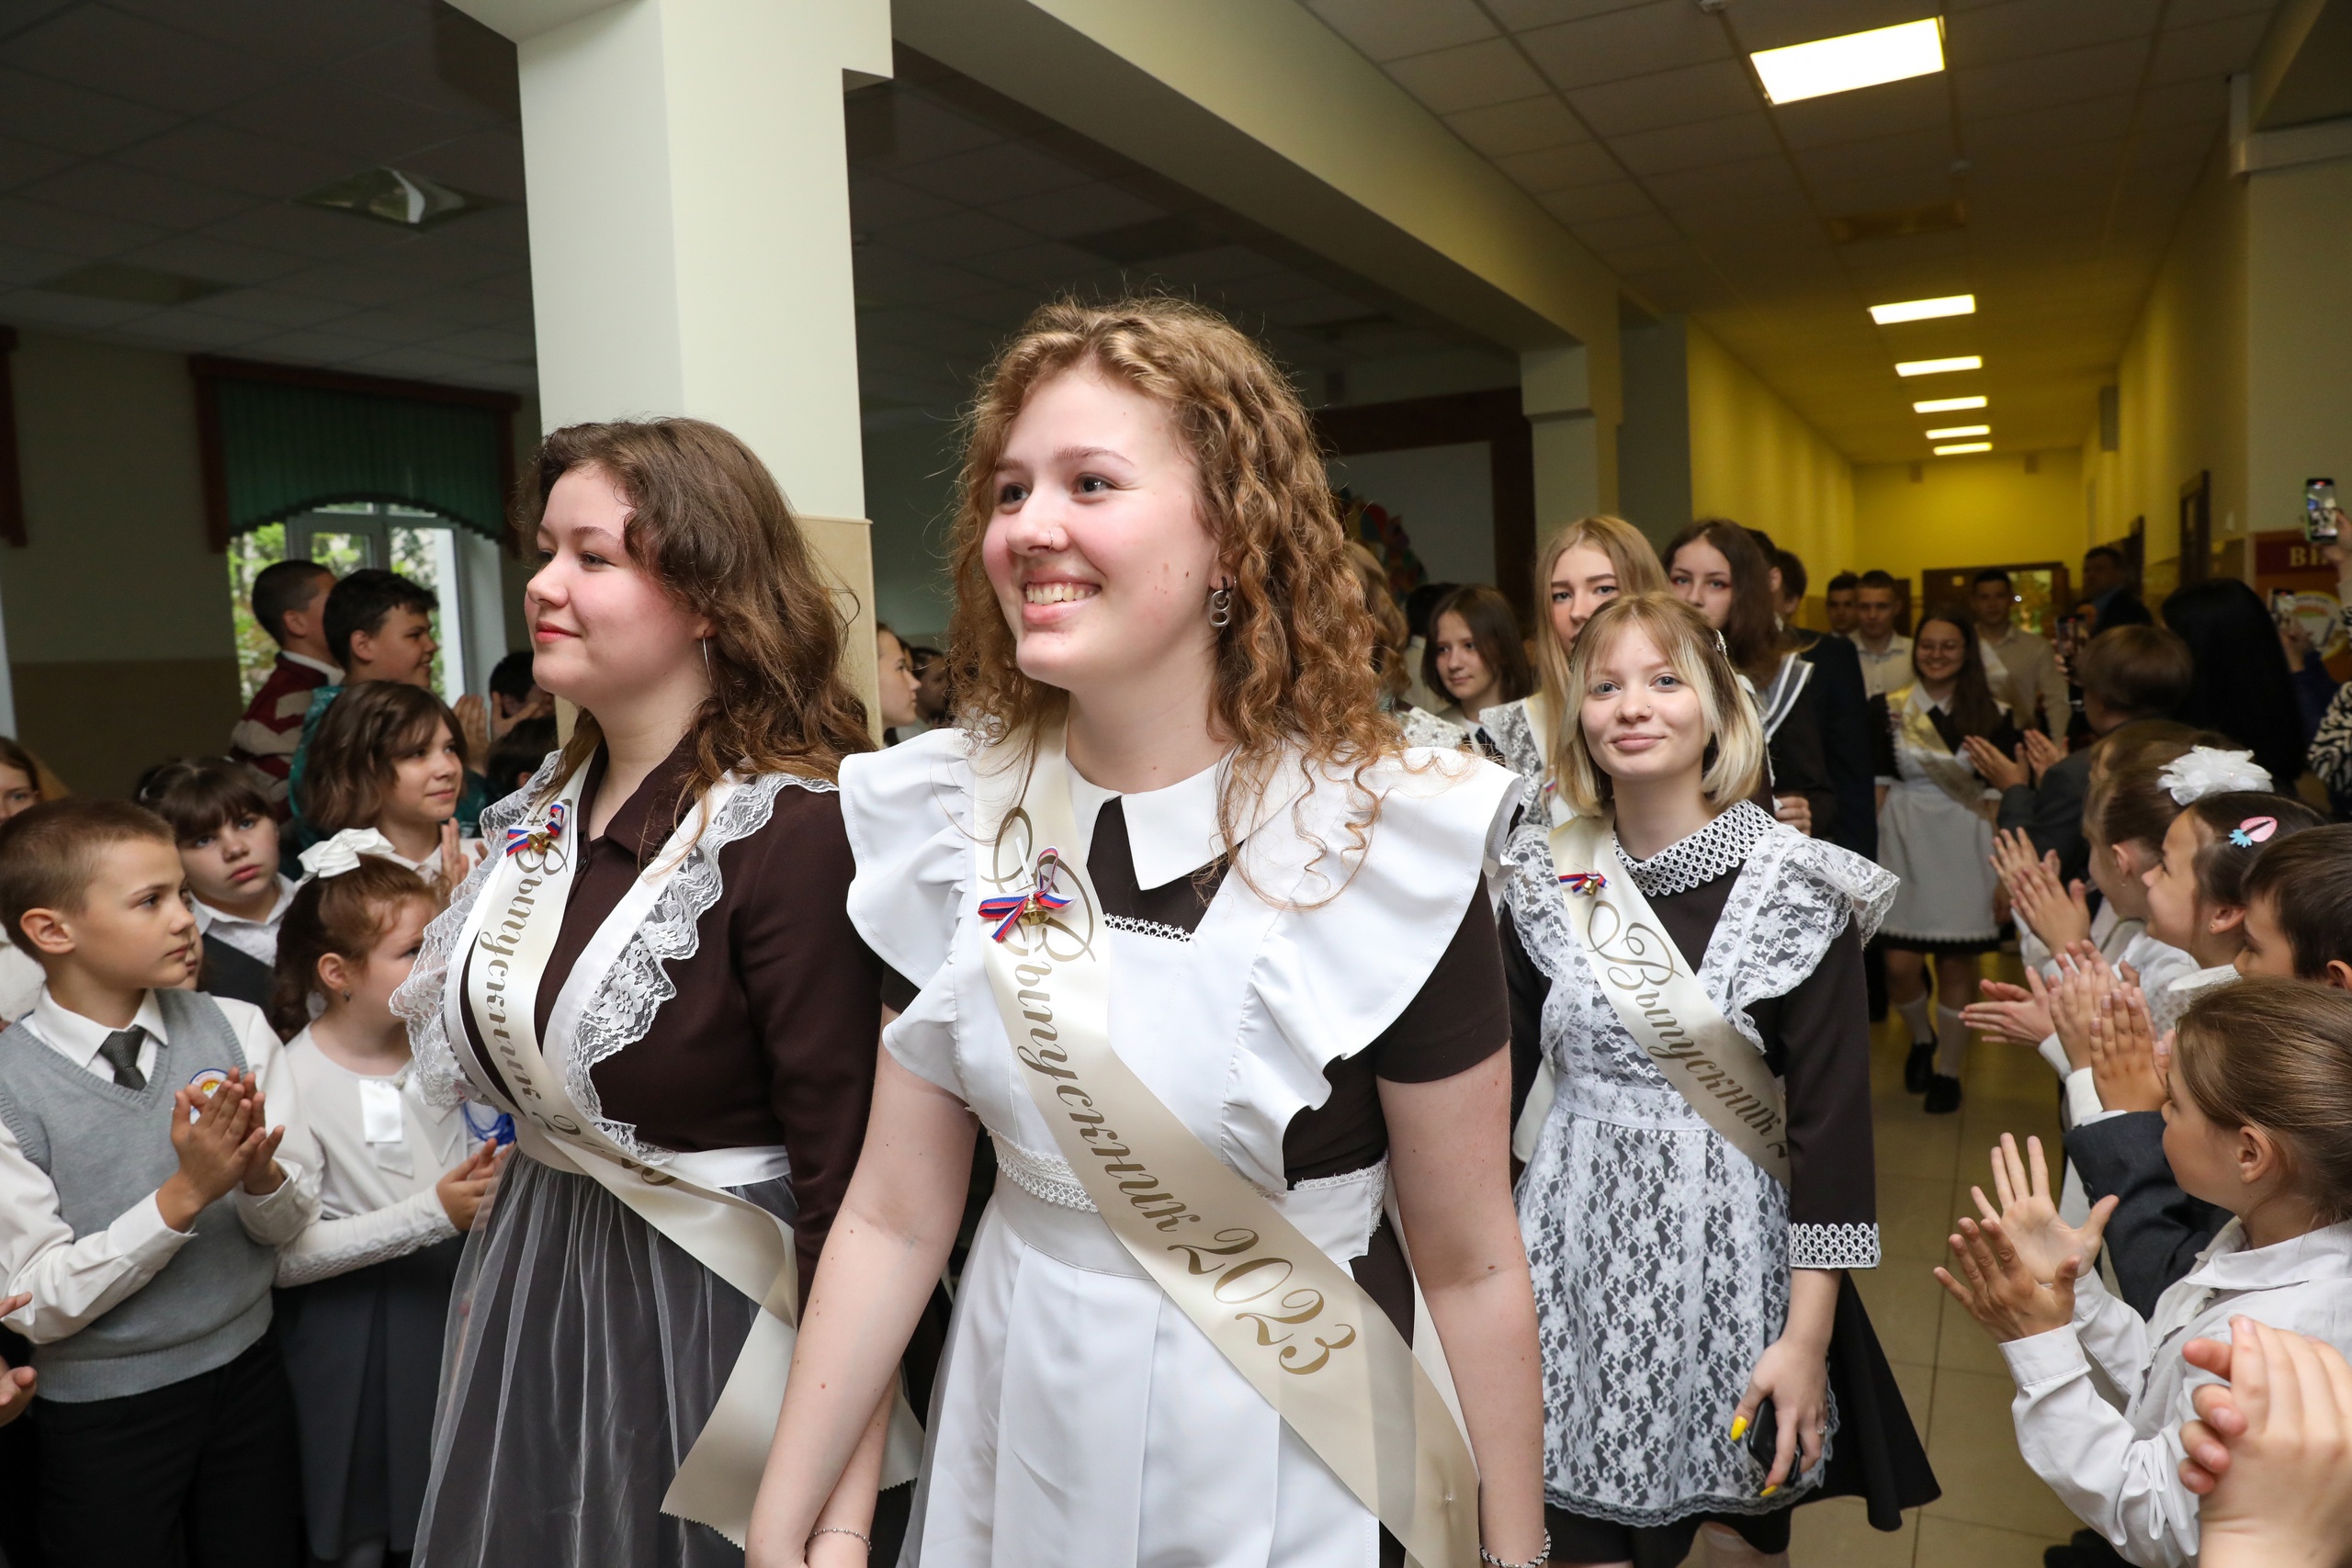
<point>1221,607</point>
<point>705,659</point>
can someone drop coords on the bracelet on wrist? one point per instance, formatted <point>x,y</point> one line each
<point>868,1541</point>
<point>1538,1560</point>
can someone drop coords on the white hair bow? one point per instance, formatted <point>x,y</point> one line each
<point>332,857</point>
<point>2209,770</point>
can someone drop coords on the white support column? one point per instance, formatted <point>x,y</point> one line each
<point>690,237</point>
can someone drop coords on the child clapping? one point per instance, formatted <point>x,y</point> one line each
<point>2258,1122</point>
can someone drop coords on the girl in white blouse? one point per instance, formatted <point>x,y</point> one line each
<point>398,1186</point>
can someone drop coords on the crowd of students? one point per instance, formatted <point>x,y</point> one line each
<point>283,1288</point>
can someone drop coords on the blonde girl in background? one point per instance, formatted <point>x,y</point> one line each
<point>365,1287</point>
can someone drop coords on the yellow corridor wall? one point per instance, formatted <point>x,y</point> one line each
<point>1754,459</point>
<point>1978,511</point>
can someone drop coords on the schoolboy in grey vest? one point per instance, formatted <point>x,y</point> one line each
<point>142,1208</point>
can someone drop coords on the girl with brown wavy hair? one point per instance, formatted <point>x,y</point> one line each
<point>653,975</point>
<point>1173,669</point>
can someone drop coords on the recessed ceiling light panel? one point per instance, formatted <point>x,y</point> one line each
<point>1853,60</point>
<point>394,196</point>
<point>1947,405</point>
<point>1959,432</point>
<point>1958,448</point>
<point>1924,310</point>
<point>1940,367</point>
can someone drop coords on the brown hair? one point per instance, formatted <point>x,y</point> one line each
<point>2132,805</point>
<point>1390,632</point>
<point>355,756</point>
<point>344,915</point>
<point>14,756</point>
<point>2277,1055</point>
<point>1973,708</point>
<point>2307,880</point>
<point>1494,632</point>
<point>1637,572</point>
<point>1734,734</point>
<point>1752,632</point>
<point>201,796</point>
<point>2135,671</point>
<point>708,524</point>
<point>1294,666</point>
<point>2222,863</point>
<point>50,851</point>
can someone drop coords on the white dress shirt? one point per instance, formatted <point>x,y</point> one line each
<point>1887,670</point>
<point>255,939</point>
<point>20,982</point>
<point>73,1281</point>
<point>380,1150</point>
<point>2120,1470</point>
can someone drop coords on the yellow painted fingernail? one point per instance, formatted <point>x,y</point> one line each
<point>1767,1491</point>
<point>1738,1427</point>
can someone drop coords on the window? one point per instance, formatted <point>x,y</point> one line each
<point>459,568</point>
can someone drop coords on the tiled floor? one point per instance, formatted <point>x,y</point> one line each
<point>1994,1513</point>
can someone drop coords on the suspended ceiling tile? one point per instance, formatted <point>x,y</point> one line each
<point>875,202</point>
<point>1384,30</point>
<point>117,191</point>
<point>68,313</point>
<point>888,129</point>
<point>2189,13</point>
<point>21,265</point>
<point>273,309</point>
<point>1037,266</point>
<point>1079,210</point>
<point>350,283</point>
<point>265,166</point>
<point>85,235</point>
<point>488,163</point>
<point>1523,125</point>
<point>434,363</point>
<point>1908,154</point>
<point>201,256</point>
<point>2208,50</point>
<point>1750,183</point>
<point>1723,140</point>
<point>125,56</point>
<point>1615,198</point>
<point>1784,22</point>
<point>1920,103</point>
<point>2175,143</point>
<point>1644,39</point>
<point>514,348</point>
<point>1562,168</point>
<point>2069,76</point>
<point>186,329</point>
<point>2092,119</point>
<point>2018,28</point>
<point>992,174</point>
<point>2198,98</point>
<point>334,116</point>
<point>294,32</point>
<point>21,162</point>
<point>512,284</point>
<point>1641,231</point>
<point>1885,193</point>
<point>952,236</point>
<point>1470,77</point>
<point>71,118</point>
<point>1667,97</point>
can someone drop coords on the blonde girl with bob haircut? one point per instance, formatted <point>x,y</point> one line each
<point>1708,1364</point>
<point>1583,566</point>
<point>1169,645</point>
<point>653,978</point>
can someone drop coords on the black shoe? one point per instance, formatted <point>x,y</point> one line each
<point>1919,1066</point>
<point>1943,1095</point>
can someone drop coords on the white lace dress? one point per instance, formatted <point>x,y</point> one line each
<point>1661,1255</point>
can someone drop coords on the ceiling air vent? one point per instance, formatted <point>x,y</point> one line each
<point>1933,218</point>
<point>392,195</point>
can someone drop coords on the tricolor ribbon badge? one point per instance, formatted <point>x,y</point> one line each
<point>538,839</point>
<point>1034,906</point>
<point>1585,882</point>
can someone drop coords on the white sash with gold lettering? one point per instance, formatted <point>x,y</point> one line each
<point>504,952</point>
<point>1660,1002</point>
<point>1292,1321</point>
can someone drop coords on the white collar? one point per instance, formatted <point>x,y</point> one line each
<point>206,916</point>
<point>1895,643</point>
<point>1171,832</point>
<point>79,1038</point>
<point>2229,1265</point>
<point>332,671</point>
<point>2205,978</point>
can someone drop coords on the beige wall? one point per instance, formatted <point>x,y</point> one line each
<point>1974,511</point>
<point>2299,339</point>
<point>1755,459</point>
<point>2181,384</point>
<point>118,615</point>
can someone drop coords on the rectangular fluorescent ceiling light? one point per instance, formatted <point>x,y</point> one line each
<point>1924,310</point>
<point>1854,59</point>
<point>1956,449</point>
<point>1940,367</point>
<point>1947,405</point>
<point>1960,432</point>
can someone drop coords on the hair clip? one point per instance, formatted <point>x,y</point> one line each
<point>2253,830</point>
<point>1721,645</point>
<point>2209,770</point>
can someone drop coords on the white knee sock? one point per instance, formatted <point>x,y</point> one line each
<point>1914,1019</point>
<point>1951,1042</point>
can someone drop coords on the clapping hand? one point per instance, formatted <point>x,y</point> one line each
<point>2030,1216</point>
<point>1993,766</point>
<point>2041,754</point>
<point>2001,1292</point>
<point>2059,914</point>
<point>2074,1002</point>
<point>2011,1012</point>
<point>2124,1050</point>
<point>2270,1452</point>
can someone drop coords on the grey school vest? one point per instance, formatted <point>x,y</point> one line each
<point>107,1148</point>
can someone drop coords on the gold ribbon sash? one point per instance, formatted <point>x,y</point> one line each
<point>1723,1077</point>
<point>505,948</point>
<point>1291,1320</point>
<point>1917,730</point>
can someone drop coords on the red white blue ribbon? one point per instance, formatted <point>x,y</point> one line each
<point>539,839</point>
<point>1040,901</point>
<point>1585,882</point>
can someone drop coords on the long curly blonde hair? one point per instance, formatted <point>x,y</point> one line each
<point>1295,668</point>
